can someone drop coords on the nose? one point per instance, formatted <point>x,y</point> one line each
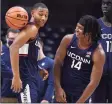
<point>104,5</point>
<point>76,29</point>
<point>43,18</point>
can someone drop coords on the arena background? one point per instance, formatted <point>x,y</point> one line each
<point>63,17</point>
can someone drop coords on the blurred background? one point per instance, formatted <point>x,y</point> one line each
<point>63,16</point>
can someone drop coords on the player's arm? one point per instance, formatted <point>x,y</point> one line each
<point>59,57</point>
<point>19,41</point>
<point>97,70</point>
<point>58,62</point>
<point>50,87</point>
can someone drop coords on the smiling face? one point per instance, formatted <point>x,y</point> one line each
<point>80,33</point>
<point>79,30</point>
<point>40,16</point>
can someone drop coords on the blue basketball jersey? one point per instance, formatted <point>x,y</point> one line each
<point>28,54</point>
<point>106,42</point>
<point>77,68</point>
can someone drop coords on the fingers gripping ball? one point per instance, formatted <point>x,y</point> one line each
<point>16,17</point>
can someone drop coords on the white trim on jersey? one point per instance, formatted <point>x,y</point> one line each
<point>25,96</point>
<point>24,50</point>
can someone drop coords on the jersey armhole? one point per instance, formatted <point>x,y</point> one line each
<point>73,38</point>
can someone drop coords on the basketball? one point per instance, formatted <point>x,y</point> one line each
<point>16,17</point>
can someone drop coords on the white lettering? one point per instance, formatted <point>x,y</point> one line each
<point>106,36</point>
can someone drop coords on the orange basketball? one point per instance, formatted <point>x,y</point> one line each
<point>16,17</point>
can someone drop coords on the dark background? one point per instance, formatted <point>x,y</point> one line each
<point>62,12</point>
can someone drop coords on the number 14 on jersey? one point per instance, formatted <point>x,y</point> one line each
<point>76,65</point>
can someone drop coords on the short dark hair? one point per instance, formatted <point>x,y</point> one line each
<point>92,26</point>
<point>12,30</point>
<point>37,5</point>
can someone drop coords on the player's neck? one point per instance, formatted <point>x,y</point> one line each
<point>33,21</point>
<point>107,20</point>
<point>84,44</point>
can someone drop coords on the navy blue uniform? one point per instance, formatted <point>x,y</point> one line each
<point>28,54</point>
<point>46,88</point>
<point>105,85</point>
<point>76,70</point>
<point>28,72</point>
<point>6,73</point>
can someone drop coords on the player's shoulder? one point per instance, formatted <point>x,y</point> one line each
<point>31,27</point>
<point>4,47</point>
<point>100,20</point>
<point>99,51</point>
<point>68,36</point>
<point>30,30</point>
<point>67,39</point>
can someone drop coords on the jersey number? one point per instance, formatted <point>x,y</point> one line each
<point>76,65</point>
<point>109,46</point>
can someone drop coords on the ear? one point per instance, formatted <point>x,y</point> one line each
<point>32,13</point>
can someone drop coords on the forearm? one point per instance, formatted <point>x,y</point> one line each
<point>57,72</point>
<point>50,87</point>
<point>14,56</point>
<point>87,93</point>
<point>49,93</point>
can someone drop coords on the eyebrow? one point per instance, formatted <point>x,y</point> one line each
<point>41,11</point>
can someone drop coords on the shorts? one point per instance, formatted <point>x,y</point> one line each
<point>29,93</point>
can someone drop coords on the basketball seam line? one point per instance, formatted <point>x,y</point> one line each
<point>13,24</point>
<point>15,11</point>
<point>16,18</point>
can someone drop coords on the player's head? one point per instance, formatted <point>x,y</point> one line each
<point>88,27</point>
<point>107,7</point>
<point>11,35</point>
<point>40,14</point>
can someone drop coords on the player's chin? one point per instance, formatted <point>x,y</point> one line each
<point>105,13</point>
<point>41,25</point>
<point>77,35</point>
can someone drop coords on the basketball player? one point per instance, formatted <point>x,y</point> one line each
<point>23,55</point>
<point>46,88</point>
<point>6,72</point>
<point>103,93</point>
<point>79,62</point>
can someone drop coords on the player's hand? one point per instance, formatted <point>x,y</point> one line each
<point>44,101</point>
<point>16,84</point>
<point>44,74</point>
<point>60,95</point>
